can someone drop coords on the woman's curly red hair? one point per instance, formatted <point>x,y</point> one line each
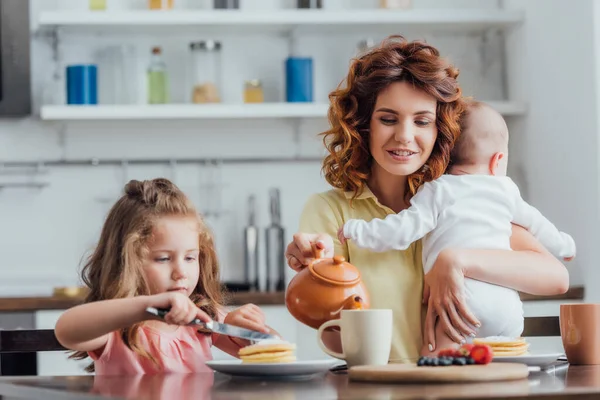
<point>348,164</point>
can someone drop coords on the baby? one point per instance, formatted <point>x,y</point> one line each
<point>471,207</point>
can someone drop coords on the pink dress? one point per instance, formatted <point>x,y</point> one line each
<point>184,350</point>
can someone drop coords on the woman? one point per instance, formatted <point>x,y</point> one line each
<point>392,129</point>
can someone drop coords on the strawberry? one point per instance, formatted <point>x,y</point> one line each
<point>449,352</point>
<point>482,354</point>
<point>465,349</point>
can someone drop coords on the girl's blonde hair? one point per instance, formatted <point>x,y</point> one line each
<point>114,269</point>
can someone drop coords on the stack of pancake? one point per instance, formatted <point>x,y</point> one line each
<point>268,351</point>
<point>504,346</point>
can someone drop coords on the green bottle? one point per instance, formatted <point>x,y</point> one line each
<point>157,79</point>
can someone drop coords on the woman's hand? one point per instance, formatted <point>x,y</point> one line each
<point>248,316</point>
<point>182,310</point>
<point>444,288</point>
<point>301,251</point>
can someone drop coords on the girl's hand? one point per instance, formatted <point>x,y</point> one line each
<point>248,316</point>
<point>182,309</point>
<point>445,285</point>
<point>301,251</point>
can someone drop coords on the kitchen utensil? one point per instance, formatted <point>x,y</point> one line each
<point>251,245</point>
<point>274,235</point>
<point>366,336</point>
<point>410,373</point>
<point>319,292</point>
<point>220,328</point>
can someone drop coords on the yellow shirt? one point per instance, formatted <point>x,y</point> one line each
<point>394,279</point>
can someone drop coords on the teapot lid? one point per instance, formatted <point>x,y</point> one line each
<point>335,271</point>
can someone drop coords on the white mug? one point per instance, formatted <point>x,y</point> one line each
<point>366,336</point>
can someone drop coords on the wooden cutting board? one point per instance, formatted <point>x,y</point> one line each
<point>408,373</point>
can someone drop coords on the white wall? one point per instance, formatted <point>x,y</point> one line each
<point>554,150</point>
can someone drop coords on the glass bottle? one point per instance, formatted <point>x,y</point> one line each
<point>364,46</point>
<point>160,4</point>
<point>253,91</point>
<point>157,78</point>
<point>206,65</point>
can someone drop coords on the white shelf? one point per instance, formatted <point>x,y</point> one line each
<point>283,20</point>
<point>213,111</point>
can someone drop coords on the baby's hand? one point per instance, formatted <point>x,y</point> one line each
<point>182,310</point>
<point>340,235</point>
<point>248,316</point>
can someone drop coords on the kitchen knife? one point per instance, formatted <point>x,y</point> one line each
<point>251,246</point>
<point>220,328</point>
<point>275,236</point>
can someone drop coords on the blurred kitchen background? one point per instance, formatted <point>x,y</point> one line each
<point>227,98</point>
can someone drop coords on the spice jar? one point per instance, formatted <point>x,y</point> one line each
<point>253,91</point>
<point>97,5</point>
<point>160,4</point>
<point>206,64</point>
<point>400,4</point>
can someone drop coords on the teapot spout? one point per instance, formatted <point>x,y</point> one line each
<point>354,302</point>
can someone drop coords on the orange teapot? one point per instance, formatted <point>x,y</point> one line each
<point>320,291</point>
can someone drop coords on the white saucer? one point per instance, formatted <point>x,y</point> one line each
<point>297,370</point>
<point>539,360</point>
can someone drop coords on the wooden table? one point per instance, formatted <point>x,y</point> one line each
<point>568,382</point>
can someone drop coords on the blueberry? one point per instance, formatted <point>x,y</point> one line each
<point>435,361</point>
<point>446,361</point>
<point>470,361</point>
<point>460,361</point>
<point>421,361</point>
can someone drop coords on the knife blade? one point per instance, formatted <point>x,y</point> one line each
<point>220,328</point>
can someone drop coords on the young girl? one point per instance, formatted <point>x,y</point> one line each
<point>154,251</point>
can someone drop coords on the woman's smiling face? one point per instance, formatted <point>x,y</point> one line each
<point>403,129</point>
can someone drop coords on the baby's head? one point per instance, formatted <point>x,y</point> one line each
<point>153,241</point>
<point>483,142</point>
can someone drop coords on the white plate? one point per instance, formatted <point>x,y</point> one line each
<point>291,370</point>
<point>530,359</point>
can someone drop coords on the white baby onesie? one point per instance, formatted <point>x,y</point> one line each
<point>466,211</point>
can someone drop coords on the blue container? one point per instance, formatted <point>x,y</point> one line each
<point>82,84</point>
<point>299,79</point>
